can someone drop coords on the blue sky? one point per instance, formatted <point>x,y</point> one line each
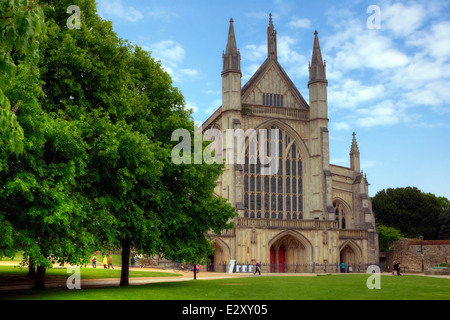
<point>390,85</point>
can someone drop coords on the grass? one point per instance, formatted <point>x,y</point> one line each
<point>11,273</point>
<point>117,259</point>
<point>332,287</point>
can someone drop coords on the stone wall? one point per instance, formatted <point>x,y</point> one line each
<point>407,251</point>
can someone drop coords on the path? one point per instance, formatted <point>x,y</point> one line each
<point>58,282</point>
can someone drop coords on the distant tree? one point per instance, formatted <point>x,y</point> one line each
<point>444,219</point>
<point>409,210</point>
<point>444,202</point>
<point>387,236</point>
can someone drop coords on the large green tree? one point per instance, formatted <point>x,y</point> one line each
<point>42,209</point>
<point>97,114</point>
<point>131,108</point>
<point>40,195</point>
<point>409,210</point>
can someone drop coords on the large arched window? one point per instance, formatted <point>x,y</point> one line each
<point>277,196</point>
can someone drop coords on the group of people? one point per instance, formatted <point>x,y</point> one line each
<point>135,262</point>
<point>350,268</point>
<point>396,269</point>
<point>106,262</point>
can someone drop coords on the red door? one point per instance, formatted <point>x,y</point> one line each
<point>281,259</point>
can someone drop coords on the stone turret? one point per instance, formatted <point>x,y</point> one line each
<point>231,74</point>
<point>231,56</point>
<point>317,83</point>
<point>317,67</point>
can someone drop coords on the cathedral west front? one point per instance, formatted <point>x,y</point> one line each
<point>309,213</point>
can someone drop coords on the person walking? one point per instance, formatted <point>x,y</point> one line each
<point>105,262</point>
<point>398,268</point>
<point>342,267</point>
<point>257,269</point>
<point>94,262</point>
<point>110,262</point>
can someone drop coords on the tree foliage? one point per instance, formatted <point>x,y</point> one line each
<point>444,221</point>
<point>409,210</point>
<point>21,24</point>
<point>387,236</point>
<point>98,114</point>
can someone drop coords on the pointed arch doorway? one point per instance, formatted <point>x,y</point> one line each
<point>289,252</point>
<point>220,258</point>
<point>350,253</point>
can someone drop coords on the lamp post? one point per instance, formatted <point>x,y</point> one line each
<point>421,249</point>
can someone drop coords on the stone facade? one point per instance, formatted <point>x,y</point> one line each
<point>309,211</point>
<point>408,252</point>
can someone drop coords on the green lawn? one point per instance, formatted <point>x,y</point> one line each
<point>9,273</point>
<point>328,287</point>
<point>117,259</point>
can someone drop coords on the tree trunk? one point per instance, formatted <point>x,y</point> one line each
<point>31,269</point>
<point>126,248</point>
<point>31,272</point>
<point>39,280</point>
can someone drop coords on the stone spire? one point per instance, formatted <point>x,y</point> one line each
<point>354,155</point>
<point>354,149</point>
<point>232,56</point>
<point>317,65</point>
<point>271,40</point>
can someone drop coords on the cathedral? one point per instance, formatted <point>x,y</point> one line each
<point>309,212</point>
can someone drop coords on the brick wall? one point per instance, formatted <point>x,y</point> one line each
<point>407,251</point>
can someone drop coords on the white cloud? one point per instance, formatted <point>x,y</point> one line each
<point>434,94</point>
<point>369,50</point>
<point>340,161</point>
<point>434,42</point>
<point>172,54</point>
<point>115,9</point>
<point>366,164</point>
<point>294,63</point>
<point>252,58</point>
<point>341,125</point>
<point>189,72</point>
<point>382,114</point>
<point>352,93</point>
<point>168,51</point>
<point>299,23</point>
<point>254,53</point>
<point>393,74</point>
<point>257,14</point>
<point>402,19</point>
<point>193,107</point>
